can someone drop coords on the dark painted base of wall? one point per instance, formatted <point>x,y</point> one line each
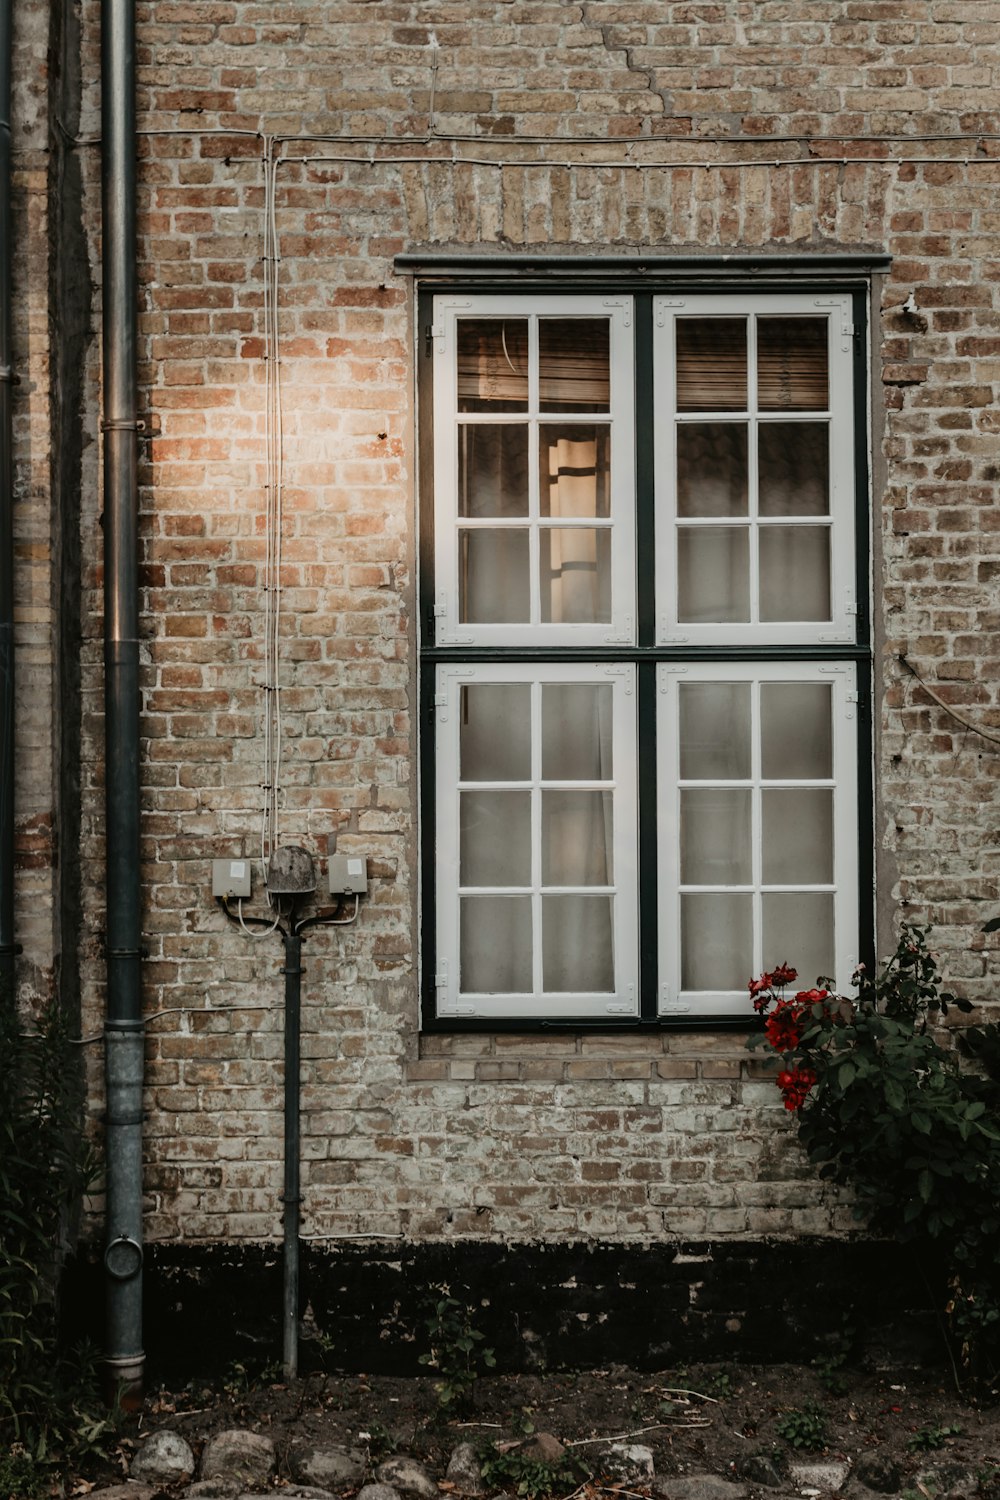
<point>540,1306</point>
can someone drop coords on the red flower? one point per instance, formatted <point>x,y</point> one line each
<point>783,975</point>
<point>795,1084</point>
<point>783,1027</point>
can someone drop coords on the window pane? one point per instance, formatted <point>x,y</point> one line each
<point>577,944</point>
<point>493,470</point>
<point>713,575</point>
<point>716,941</point>
<point>495,939</point>
<point>792,364</point>
<point>712,469</point>
<point>714,730</point>
<point>495,732</point>
<point>492,364</point>
<point>715,836</point>
<point>576,731</point>
<point>796,731</point>
<point>794,468</point>
<point>495,839</point>
<point>574,364</point>
<point>798,929</point>
<point>798,836</point>
<point>493,580</point>
<point>574,470</point>
<point>711,364</point>
<point>575,566</point>
<point>795,573</point>
<point>577,834</point>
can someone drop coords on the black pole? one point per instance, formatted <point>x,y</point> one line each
<point>123,1026</point>
<point>7,945</point>
<point>291,1195</point>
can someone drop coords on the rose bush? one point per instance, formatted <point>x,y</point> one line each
<point>884,1107</point>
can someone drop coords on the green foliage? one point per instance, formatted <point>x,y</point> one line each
<point>803,1428</point>
<point>885,1109</point>
<point>531,1477</point>
<point>49,1405</point>
<point>454,1351</point>
<point>925,1439</point>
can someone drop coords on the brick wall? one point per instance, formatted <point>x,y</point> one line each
<point>660,111</point>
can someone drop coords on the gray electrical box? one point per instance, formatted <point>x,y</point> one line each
<point>348,875</point>
<point>231,877</point>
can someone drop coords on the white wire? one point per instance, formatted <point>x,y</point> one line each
<point>265,931</point>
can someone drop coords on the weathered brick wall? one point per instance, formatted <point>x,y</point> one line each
<point>628,1137</point>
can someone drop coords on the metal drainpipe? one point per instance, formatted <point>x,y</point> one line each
<point>123,1027</point>
<point>7,945</point>
<point>291,1197</point>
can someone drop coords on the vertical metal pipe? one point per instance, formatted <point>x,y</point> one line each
<point>123,1026</point>
<point>291,1197</point>
<point>7,946</point>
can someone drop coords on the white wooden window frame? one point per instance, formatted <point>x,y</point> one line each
<point>840,415</point>
<point>673,1000</point>
<point>450,630</point>
<point>539,1004</point>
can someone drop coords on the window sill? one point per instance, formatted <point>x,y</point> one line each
<point>530,1058</point>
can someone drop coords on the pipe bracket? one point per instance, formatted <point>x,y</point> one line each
<point>123,424</point>
<point>124,1024</point>
<point>10,950</point>
<point>123,1258</point>
<point>8,375</point>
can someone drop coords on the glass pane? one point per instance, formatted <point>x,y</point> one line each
<point>493,582</point>
<point>493,470</point>
<point>574,470</point>
<point>716,941</point>
<point>495,732</point>
<point>576,731</point>
<point>796,731</point>
<point>495,838</point>
<point>575,563</point>
<point>711,469</point>
<point>713,575</point>
<point>794,466</point>
<point>798,929</point>
<point>795,573</point>
<point>711,364</point>
<point>792,364</point>
<point>574,364</point>
<point>492,364</point>
<point>715,836</point>
<point>495,938</point>
<point>714,730</point>
<point>798,836</point>
<point>577,834</point>
<point>577,945</point>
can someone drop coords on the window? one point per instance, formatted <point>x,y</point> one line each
<point>645,657</point>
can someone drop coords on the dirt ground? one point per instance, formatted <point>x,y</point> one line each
<point>703,1419</point>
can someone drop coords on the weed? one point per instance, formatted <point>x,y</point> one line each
<point>926,1439</point>
<point>719,1385</point>
<point>527,1476</point>
<point>379,1439</point>
<point>803,1428</point>
<point>454,1351</point>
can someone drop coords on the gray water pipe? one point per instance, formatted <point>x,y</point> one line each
<point>8,948</point>
<point>123,1027</point>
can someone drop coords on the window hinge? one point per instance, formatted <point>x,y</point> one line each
<point>440,700</point>
<point>432,331</point>
<point>441,978</point>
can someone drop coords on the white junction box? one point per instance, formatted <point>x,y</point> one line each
<point>348,875</point>
<point>231,877</point>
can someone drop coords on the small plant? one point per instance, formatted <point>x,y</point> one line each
<point>719,1385</point>
<point>454,1352</point>
<point>926,1439</point>
<point>803,1428</point>
<point>379,1439</point>
<point>529,1476</point>
<point>830,1364</point>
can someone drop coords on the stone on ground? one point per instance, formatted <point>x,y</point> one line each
<point>823,1478</point>
<point>697,1487</point>
<point>464,1471</point>
<point>219,1488</point>
<point>408,1477</point>
<point>879,1472</point>
<point>241,1455</point>
<point>332,1468</point>
<point>164,1458</point>
<point>378,1492</point>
